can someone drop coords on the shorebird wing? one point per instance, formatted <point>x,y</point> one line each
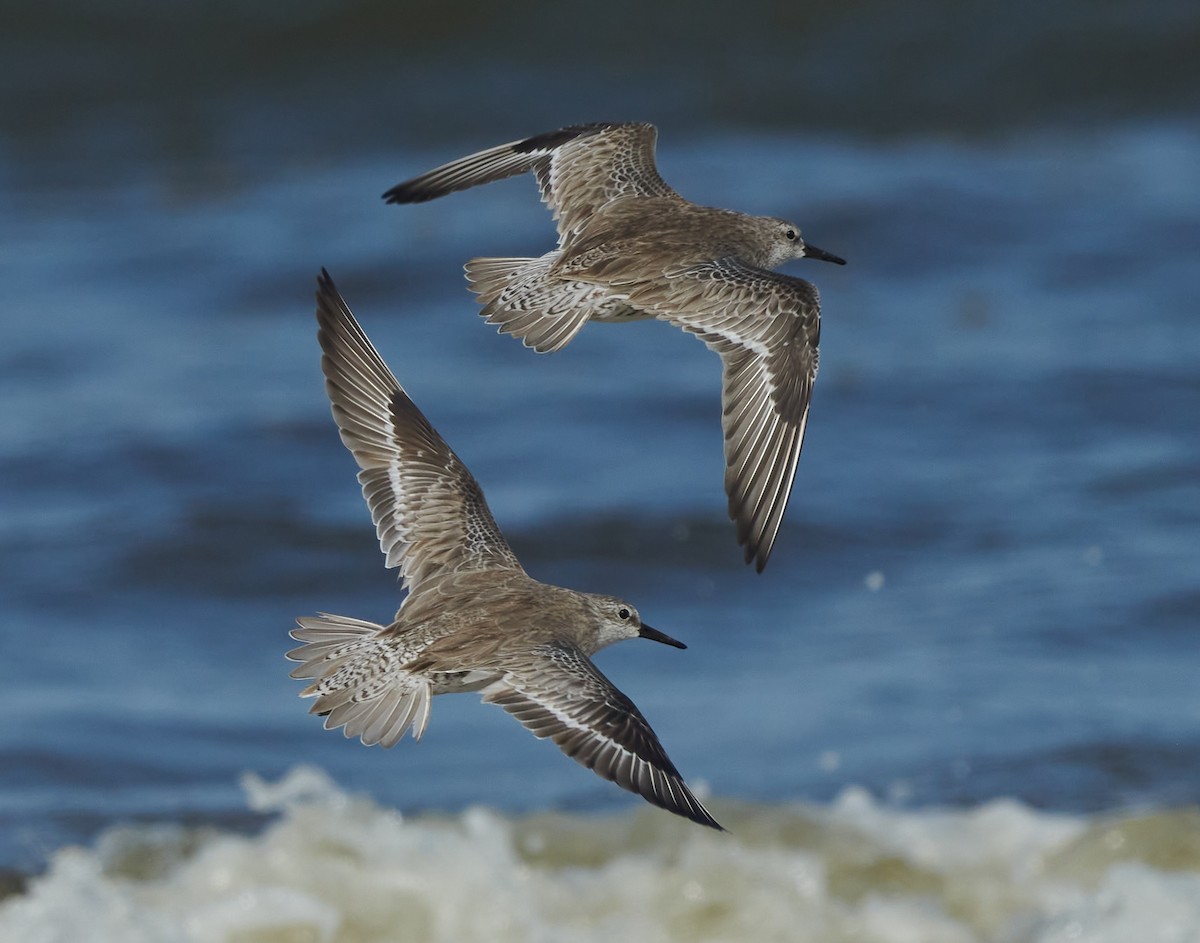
<point>578,169</point>
<point>564,697</point>
<point>766,328</point>
<point>495,163</point>
<point>429,512</point>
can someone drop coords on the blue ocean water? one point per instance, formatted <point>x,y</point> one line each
<point>986,585</point>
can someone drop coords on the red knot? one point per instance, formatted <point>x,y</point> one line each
<point>472,620</point>
<point>630,247</point>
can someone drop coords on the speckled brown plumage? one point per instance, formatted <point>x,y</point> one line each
<point>473,619</point>
<point>630,247</point>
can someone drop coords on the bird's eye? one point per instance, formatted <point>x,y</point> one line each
<point>623,613</point>
<point>790,234</point>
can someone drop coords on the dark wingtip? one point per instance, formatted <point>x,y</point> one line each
<point>702,816</point>
<point>753,553</point>
<point>404,193</point>
<point>332,311</point>
<point>325,286</point>
<point>691,808</point>
<point>553,139</point>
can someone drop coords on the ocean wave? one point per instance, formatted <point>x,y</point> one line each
<point>332,867</point>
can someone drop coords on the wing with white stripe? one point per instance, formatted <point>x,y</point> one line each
<point>578,169</point>
<point>429,512</point>
<point>767,329</point>
<point>564,697</point>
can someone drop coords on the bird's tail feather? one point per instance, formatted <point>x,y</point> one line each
<point>359,681</point>
<point>524,299</point>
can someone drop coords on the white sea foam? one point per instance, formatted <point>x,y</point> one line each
<point>337,868</point>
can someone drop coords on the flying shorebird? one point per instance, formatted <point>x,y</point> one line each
<point>473,620</point>
<point>630,247</point>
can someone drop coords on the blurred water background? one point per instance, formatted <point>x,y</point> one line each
<point>960,704</point>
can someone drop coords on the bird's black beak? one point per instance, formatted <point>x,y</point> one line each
<point>812,252</point>
<point>654,635</point>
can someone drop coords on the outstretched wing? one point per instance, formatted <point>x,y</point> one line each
<point>766,328</point>
<point>579,169</point>
<point>429,512</point>
<point>561,695</point>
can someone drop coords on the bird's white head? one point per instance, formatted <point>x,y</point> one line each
<point>617,620</point>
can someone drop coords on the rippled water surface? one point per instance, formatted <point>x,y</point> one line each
<point>985,592</point>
